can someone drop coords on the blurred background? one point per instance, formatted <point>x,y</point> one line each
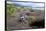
<point>33,13</point>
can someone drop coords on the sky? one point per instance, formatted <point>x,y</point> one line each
<point>30,4</point>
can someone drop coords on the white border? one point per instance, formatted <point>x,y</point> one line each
<point>2,15</point>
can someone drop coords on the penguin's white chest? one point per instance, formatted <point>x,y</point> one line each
<point>23,18</point>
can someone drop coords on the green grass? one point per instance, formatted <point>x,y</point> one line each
<point>10,9</point>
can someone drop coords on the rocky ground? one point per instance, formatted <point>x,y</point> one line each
<point>32,20</point>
